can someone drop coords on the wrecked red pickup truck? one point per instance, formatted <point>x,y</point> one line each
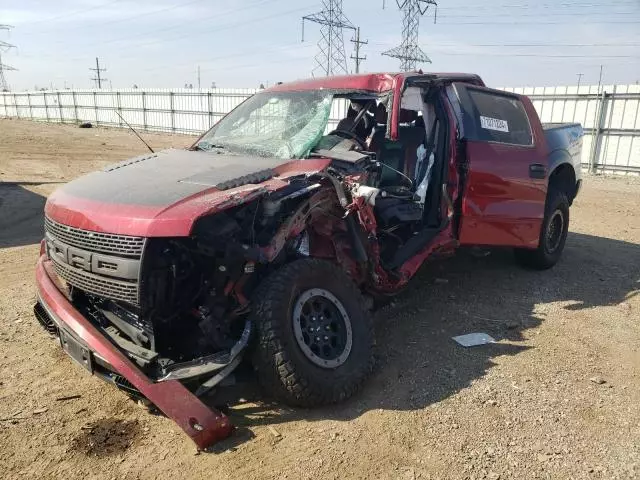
<point>272,237</point>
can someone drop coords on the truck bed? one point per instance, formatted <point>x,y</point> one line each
<point>565,136</point>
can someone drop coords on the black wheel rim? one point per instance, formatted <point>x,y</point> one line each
<point>555,229</point>
<point>322,328</point>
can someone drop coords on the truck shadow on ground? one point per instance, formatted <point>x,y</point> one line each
<point>418,362</point>
<point>21,214</point>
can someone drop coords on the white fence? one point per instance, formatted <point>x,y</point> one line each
<point>609,114</point>
<point>182,110</point>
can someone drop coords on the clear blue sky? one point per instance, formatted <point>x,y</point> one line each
<point>160,43</point>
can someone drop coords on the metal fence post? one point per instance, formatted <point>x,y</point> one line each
<point>30,108</point>
<point>210,108</point>
<point>60,108</point>
<point>597,133</point>
<point>119,108</point>
<point>46,106</point>
<point>75,105</point>
<point>606,125</point>
<point>95,104</point>
<point>15,104</point>
<point>144,111</point>
<point>173,113</point>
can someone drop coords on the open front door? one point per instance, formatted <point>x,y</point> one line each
<point>506,182</point>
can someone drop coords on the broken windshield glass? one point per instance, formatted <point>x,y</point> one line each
<point>281,124</point>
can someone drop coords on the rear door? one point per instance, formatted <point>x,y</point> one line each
<point>506,162</point>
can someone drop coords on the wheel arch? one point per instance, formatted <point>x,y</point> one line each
<point>562,175</point>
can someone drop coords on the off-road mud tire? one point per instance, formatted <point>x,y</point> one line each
<point>543,257</point>
<point>283,370</point>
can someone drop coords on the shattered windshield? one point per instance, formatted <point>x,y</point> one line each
<point>279,124</point>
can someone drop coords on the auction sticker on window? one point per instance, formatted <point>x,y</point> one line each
<point>489,123</point>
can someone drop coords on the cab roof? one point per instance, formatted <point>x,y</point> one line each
<point>372,82</point>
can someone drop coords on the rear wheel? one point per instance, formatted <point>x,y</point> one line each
<point>553,235</point>
<point>315,335</point>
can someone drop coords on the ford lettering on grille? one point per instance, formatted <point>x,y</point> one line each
<point>77,257</point>
<point>109,243</point>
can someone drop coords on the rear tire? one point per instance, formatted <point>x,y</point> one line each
<point>553,235</point>
<point>292,365</point>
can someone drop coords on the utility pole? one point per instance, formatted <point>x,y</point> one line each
<point>331,59</point>
<point>580,75</point>
<point>4,46</point>
<point>357,42</point>
<point>600,80</point>
<point>409,52</point>
<point>98,79</point>
<point>198,77</point>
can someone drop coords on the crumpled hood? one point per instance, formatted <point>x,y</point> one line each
<point>162,194</point>
<point>163,178</point>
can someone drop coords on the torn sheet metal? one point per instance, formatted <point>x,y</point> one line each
<point>474,339</point>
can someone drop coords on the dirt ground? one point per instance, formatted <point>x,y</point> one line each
<point>558,396</point>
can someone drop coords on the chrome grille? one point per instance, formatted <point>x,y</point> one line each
<point>97,284</point>
<point>123,245</point>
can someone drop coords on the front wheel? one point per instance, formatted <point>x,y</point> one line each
<point>315,334</point>
<point>553,235</point>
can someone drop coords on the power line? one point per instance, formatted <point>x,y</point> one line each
<point>188,32</point>
<point>71,14</point>
<point>357,42</point>
<point>126,19</point>
<point>408,51</point>
<point>561,5</point>
<point>553,45</point>
<point>595,22</point>
<point>542,14</point>
<point>475,54</point>
<point>331,58</point>
<point>98,79</point>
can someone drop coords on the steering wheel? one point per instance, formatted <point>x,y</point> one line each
<point>351,136</point>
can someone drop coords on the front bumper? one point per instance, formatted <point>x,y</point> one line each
<point>203,425</point>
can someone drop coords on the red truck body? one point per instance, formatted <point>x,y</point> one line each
<point>495,194</point>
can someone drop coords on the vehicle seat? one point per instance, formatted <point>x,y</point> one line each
<point>394,211</point>
<point>379,129</point>
<point>411,136</point>
<point>391,154</point>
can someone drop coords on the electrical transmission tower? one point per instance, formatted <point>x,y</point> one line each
<point>98,79</point>
<point>409,52</point>
<point>331,59</point>
<point>4,46</point>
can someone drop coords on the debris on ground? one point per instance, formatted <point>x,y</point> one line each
<point>70,397</point>
<point>13,416</point>
<point>474,339</point>
<point>85,125</point>
<point>598,380</point>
